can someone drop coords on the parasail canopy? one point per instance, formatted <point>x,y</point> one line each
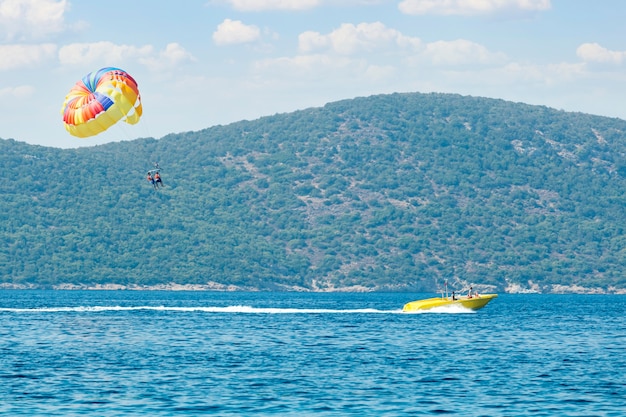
<point>99,100</point>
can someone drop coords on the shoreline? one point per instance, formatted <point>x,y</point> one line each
<point>213,286</point>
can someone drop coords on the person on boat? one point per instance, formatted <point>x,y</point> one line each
<point>453,296</point>
<point>470,293</point>
<point>151,180</point>
<point>157,179</point>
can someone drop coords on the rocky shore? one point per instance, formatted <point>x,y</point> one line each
<point>214,286</point>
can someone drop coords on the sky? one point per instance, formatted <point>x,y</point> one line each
<point>201,63</point>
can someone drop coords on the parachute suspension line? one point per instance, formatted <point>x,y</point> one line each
<point>102,99</point>
<point>122,128</point>
<point>145,127</point>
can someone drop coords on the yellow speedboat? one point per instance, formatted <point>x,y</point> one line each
<point>472,302</point>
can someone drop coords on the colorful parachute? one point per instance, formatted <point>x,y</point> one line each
<point>101,99</point>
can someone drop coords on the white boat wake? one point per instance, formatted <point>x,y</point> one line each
<point>207,309</point>
<point>234,309</point>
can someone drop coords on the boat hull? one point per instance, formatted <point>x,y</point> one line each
<point>473,303</point>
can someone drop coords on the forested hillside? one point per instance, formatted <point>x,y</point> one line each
<point>392,192</point>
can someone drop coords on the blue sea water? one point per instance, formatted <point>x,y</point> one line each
<point>149,353</point>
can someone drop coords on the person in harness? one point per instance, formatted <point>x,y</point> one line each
<point>157,179</point>
<point>151,180</point>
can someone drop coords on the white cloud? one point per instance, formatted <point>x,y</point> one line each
<point>259,5</point>
<point>329,72</point>
<point>302,64</point>
<point>104,52</point>
<point>22,56</point>
<point>377,73</point>
<point>376,39</point>
<point>234,31</point>
<point>31,18</point>
<point>319,72</point>
<point>349,39</point>
<point>565,72</point>
<point>539,75</point>
<point>293,5</point>
<point>471,7</point>
<point>375,52</point>
<point>460,52</point>
<point>108,53</point>
<point>173,55</point>
<point>311,41</point>
<point>22,91</point>
<point>593,52</point>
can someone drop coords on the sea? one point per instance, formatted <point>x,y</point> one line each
<point>175,353</point>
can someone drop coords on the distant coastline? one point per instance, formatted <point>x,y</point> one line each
<point>214,286</point>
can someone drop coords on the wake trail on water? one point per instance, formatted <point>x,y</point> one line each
<point>228,309</point>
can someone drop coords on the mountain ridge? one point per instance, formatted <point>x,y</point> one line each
<point>395,192</point>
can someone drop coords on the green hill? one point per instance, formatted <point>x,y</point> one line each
<point>392,192</point>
